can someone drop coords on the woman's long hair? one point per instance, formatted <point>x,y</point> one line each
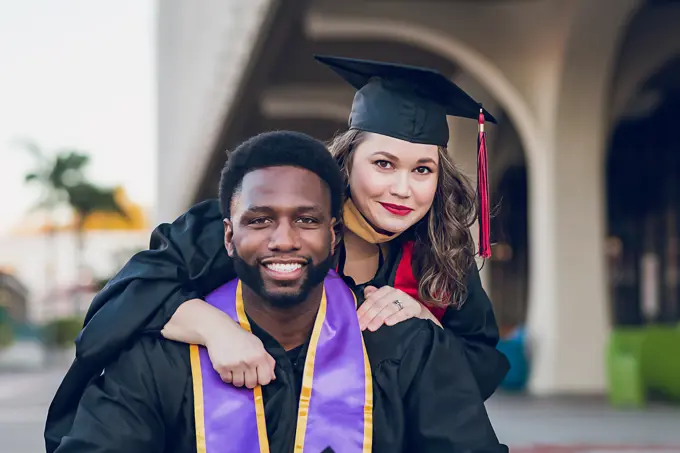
<point>443,252</point>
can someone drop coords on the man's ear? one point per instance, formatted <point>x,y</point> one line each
<point>228,237</point>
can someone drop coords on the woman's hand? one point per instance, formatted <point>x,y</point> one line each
<point>237,355</point>
<point>389,306</point>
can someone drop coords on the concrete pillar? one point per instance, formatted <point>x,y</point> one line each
<point>569,311</point>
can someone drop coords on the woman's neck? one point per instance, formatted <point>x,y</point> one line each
<point>362,258</point>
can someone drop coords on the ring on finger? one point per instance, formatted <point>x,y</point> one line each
<point>397,302</point>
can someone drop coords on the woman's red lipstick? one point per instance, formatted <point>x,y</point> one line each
<point>396,209</point>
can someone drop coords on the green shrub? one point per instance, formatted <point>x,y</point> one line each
<point>62,332</point>
<point>6,334</point>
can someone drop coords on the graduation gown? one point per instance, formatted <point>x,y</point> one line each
<point>144,400</point>
<point>187,259</point>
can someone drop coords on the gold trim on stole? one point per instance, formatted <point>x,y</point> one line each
<point>198,397</point>
<point>257,391</point>
<point>368,398</point>
<point>308,377</point>
<point>198,388</point>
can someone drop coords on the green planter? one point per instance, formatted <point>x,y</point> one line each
<point>640,360</point>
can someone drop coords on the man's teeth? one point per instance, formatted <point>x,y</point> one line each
<point>279,267</point>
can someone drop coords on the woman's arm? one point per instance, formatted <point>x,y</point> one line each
<point>186,260</point>
<point>237,355</point>
<point>475,324</point>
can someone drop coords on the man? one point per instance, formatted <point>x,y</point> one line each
<point>402,388</point>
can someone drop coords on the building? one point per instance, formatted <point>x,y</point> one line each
<point>583,162</point>
<point>49,264</point>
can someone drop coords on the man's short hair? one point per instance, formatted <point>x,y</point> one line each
<point>277,149</point>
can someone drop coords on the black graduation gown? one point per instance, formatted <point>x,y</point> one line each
<point>144,400</point>
<point>187,259</point>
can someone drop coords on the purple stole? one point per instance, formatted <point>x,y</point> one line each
<point>336,403</point>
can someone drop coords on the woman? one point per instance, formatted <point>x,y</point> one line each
<point>407,249</point>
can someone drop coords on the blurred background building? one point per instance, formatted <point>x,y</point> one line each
<point>583,163</point>
<point>60,265</point>
<point>77,141</point>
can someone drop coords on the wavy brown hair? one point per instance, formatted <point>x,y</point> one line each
<point>443,252</point>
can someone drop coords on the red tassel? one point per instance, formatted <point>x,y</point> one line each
<point>483,191</point>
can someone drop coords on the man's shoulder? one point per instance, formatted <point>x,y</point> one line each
<point>391,342</point>
<point>155,363</point>
<point>157,353</point>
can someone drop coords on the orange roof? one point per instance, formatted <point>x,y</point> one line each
<point>97,221</point>
<point>113,221</point>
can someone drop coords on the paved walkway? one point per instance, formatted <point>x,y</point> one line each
<point>526,425</point>
<point>23,355</point>
<point>583,424</point>
<point>24,398</point>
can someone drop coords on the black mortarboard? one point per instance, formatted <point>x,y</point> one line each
<point>412,103</point>
<point>405,102</point>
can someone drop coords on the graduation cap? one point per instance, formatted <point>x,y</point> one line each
<point>411,103</point>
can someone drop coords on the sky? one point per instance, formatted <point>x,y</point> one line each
<point>77,74</point>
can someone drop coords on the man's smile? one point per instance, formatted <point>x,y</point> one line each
<point>284,269</point>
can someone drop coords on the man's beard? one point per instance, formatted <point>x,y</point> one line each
<point>251,276</point>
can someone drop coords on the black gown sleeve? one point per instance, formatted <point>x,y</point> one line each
<point>475,324</point>
<point>444,410</point>
<point>186,259</point>
<point>126,409</point>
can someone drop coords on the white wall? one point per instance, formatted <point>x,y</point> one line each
<point>202,48</point>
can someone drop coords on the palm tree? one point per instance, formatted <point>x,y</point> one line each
<point>52,174</point>
<point>55,175</point>
<point>85,199</point>
<point>62,181</point>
